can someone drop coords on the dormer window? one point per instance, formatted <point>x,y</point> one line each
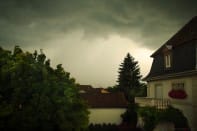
<point>196,56</point>
<point>168,60</point>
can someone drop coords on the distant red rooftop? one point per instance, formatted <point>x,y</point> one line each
<point>105,100</point>
<point>89,89</point>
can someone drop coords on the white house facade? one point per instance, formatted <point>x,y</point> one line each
<point>159,90</point>
<point>172,79</point>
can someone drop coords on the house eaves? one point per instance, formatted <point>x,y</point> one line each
<point>173,75</point>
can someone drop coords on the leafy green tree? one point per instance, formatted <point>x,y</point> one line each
<point>35,96</point>
<point>129,77</point>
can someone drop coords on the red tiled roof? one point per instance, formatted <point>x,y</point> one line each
<point>187,33</point>
<point>105,100</point>
<point>89,89</point>
<point>85,87</point>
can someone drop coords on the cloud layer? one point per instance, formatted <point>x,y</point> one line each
<point>150,22</point>
<point>91,37</point>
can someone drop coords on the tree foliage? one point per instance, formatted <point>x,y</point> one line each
<point>130,116</point>
<point>152,116</point>
<point>149,115</point>
<point>35,96</point>
<point>175,116</point>
<point>129,77</point>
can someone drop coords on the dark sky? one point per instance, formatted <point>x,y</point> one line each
<point>91,37</point>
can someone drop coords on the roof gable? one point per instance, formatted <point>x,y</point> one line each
<point>182,48</point>
<point>185,34</point>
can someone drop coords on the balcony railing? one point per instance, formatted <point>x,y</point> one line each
<point>154,102</point>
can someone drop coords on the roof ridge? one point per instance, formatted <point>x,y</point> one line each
<point>186,33</point>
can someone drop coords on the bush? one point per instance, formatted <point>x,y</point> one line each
<point>130,116</point>
<point>152,116</point>
<point>175,116</point>
<point>103,127</point>
<point>149,115</point>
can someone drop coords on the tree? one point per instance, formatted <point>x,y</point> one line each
<point>129,77</point>
<point>35,96</point>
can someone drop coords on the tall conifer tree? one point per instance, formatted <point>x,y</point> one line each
<point>129,77</point>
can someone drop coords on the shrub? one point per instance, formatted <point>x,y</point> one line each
<point>149,115</point>
<point>130,116</point>
<point>175,116</point>
<point>152,116</point>
<point>103,127</point>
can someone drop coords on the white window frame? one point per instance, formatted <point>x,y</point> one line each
<point>168,60</point>
<point>196,56</point>
<point>178,86</point>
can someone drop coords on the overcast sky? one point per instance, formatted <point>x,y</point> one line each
<point>92,37</point>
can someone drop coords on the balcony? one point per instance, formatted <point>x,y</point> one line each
<point>154,102</point>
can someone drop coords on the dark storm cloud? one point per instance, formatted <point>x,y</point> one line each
<point>150,22</point>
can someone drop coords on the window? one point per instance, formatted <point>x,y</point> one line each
<point>196,56</point>
<point>168,60</point>
<point>178,86</point>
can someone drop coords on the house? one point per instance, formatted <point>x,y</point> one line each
<point>104,107</point>
<point>172,79</point>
